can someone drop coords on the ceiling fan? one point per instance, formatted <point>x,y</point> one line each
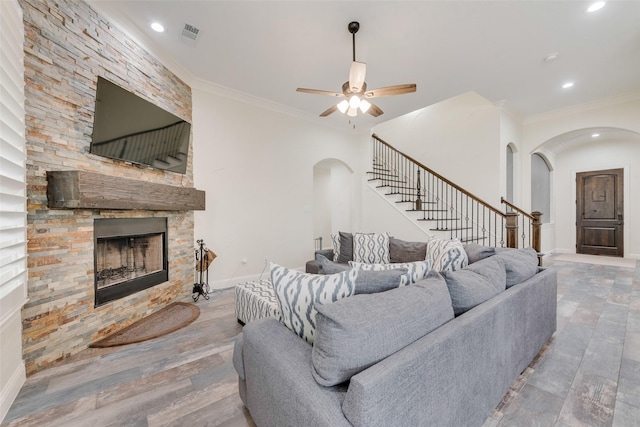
<point>355,91</point>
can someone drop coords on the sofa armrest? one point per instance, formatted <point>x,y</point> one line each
<point>312,266</point>
<point>457,374</point>
<point>238,361</point>
<point>326,252</point>
<point>280,388</point>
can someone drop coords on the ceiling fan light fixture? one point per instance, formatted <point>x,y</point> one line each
<point>354,91</point>
<point>364,106</point>
<point>343,106</point>
<point>354,102</point>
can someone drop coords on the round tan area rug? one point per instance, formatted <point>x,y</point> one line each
<point>168,319</point>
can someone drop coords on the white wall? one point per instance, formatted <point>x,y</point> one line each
<point>458,138</point>
<point>257,168</point>
<point>13,239</point>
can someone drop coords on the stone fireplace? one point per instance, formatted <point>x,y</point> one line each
<point>130,255</point>
<point>67,45</point>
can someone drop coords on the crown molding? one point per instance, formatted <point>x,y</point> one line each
<point>582,108</point>
<point>506,108</point>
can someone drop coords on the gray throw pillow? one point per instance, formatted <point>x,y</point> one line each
<point>368,282</point>
<point>521,264</point>
<point>346,247</point>
<point>402,251</point>
<point>357,332</point>
<point>476,252</point>
<point>476,283</point>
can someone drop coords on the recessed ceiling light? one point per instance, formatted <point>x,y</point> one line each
<point>567,85</point>
<point>551,57</point>
<point>595,135</point>
<point>596,6</point>
<point>156,26</point>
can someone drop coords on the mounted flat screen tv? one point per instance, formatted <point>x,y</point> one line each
<point>129,128</point>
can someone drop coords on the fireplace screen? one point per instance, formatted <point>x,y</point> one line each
<point>124,258</point>
<point>130,255</point>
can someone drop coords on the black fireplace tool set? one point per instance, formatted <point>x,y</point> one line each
<point>204,257</point>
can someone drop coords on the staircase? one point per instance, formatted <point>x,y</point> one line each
<point>446,209</point>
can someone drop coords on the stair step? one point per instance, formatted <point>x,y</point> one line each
<point>382,176</point>
<point>473,239</point>
<point>424,202</point>
<point>450,229</point>
<point>427,210</point>
<point>387,185</point>
<point>378,169</point>
<point>441,220</point>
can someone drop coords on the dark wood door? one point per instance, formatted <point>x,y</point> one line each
<point>599,213</point>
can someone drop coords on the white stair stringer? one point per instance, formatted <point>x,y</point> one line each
<point>423,227</point>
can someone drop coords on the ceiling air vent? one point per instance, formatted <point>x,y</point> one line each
<point>191,32</point>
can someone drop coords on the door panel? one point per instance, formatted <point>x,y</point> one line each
<point>599,210</point>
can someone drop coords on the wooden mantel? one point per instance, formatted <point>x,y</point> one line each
<point>88,190</point>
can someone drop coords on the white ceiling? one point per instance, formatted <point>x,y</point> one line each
<point>266,49</point>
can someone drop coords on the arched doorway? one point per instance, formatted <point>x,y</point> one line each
<point>588,150</point>
<point>332,199</point>
<point>541,186</point>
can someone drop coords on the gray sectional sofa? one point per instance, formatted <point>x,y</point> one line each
<point>418,355</point>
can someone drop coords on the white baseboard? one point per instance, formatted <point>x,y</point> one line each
<point>231,282</point>
<point>568,251</point>
<point>9,393</point>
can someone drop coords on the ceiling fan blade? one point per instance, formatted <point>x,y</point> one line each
<point>356,75</point>
<point>319,92</point>
<point>328,111</point>
<point>390,90</point>
<point>374,110</point>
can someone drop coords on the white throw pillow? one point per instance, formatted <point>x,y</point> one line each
<point>415,270</point>
<point>446,255</point>
<point>335,241</point>
<point>371,248</point>
<point>298,293</point>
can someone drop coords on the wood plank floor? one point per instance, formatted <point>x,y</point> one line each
<point>185,378</point>
<point>587,375</point>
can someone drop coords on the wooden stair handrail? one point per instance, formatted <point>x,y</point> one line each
<point>437,175</point>
<point>515,208</point>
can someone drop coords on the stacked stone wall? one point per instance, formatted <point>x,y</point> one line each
<point>67,46</point>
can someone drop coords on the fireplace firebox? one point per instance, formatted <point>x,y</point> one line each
<point>130,255</point>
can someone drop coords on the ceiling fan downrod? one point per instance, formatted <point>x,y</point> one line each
<point>353,29</point>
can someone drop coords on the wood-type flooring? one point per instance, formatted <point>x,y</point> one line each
<point>587,375</point>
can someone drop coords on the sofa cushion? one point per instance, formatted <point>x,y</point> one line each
<point>297,294</point>
<point>402,251</point>
<point>368,281</point>
<point>415,270</point>
<point>446,255</point>
<point>476,283</point>
<point>371,248</point>
<point>521,264</point>
<point>355,333</point>
<point>346,247</point>
<point>476,252</point>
